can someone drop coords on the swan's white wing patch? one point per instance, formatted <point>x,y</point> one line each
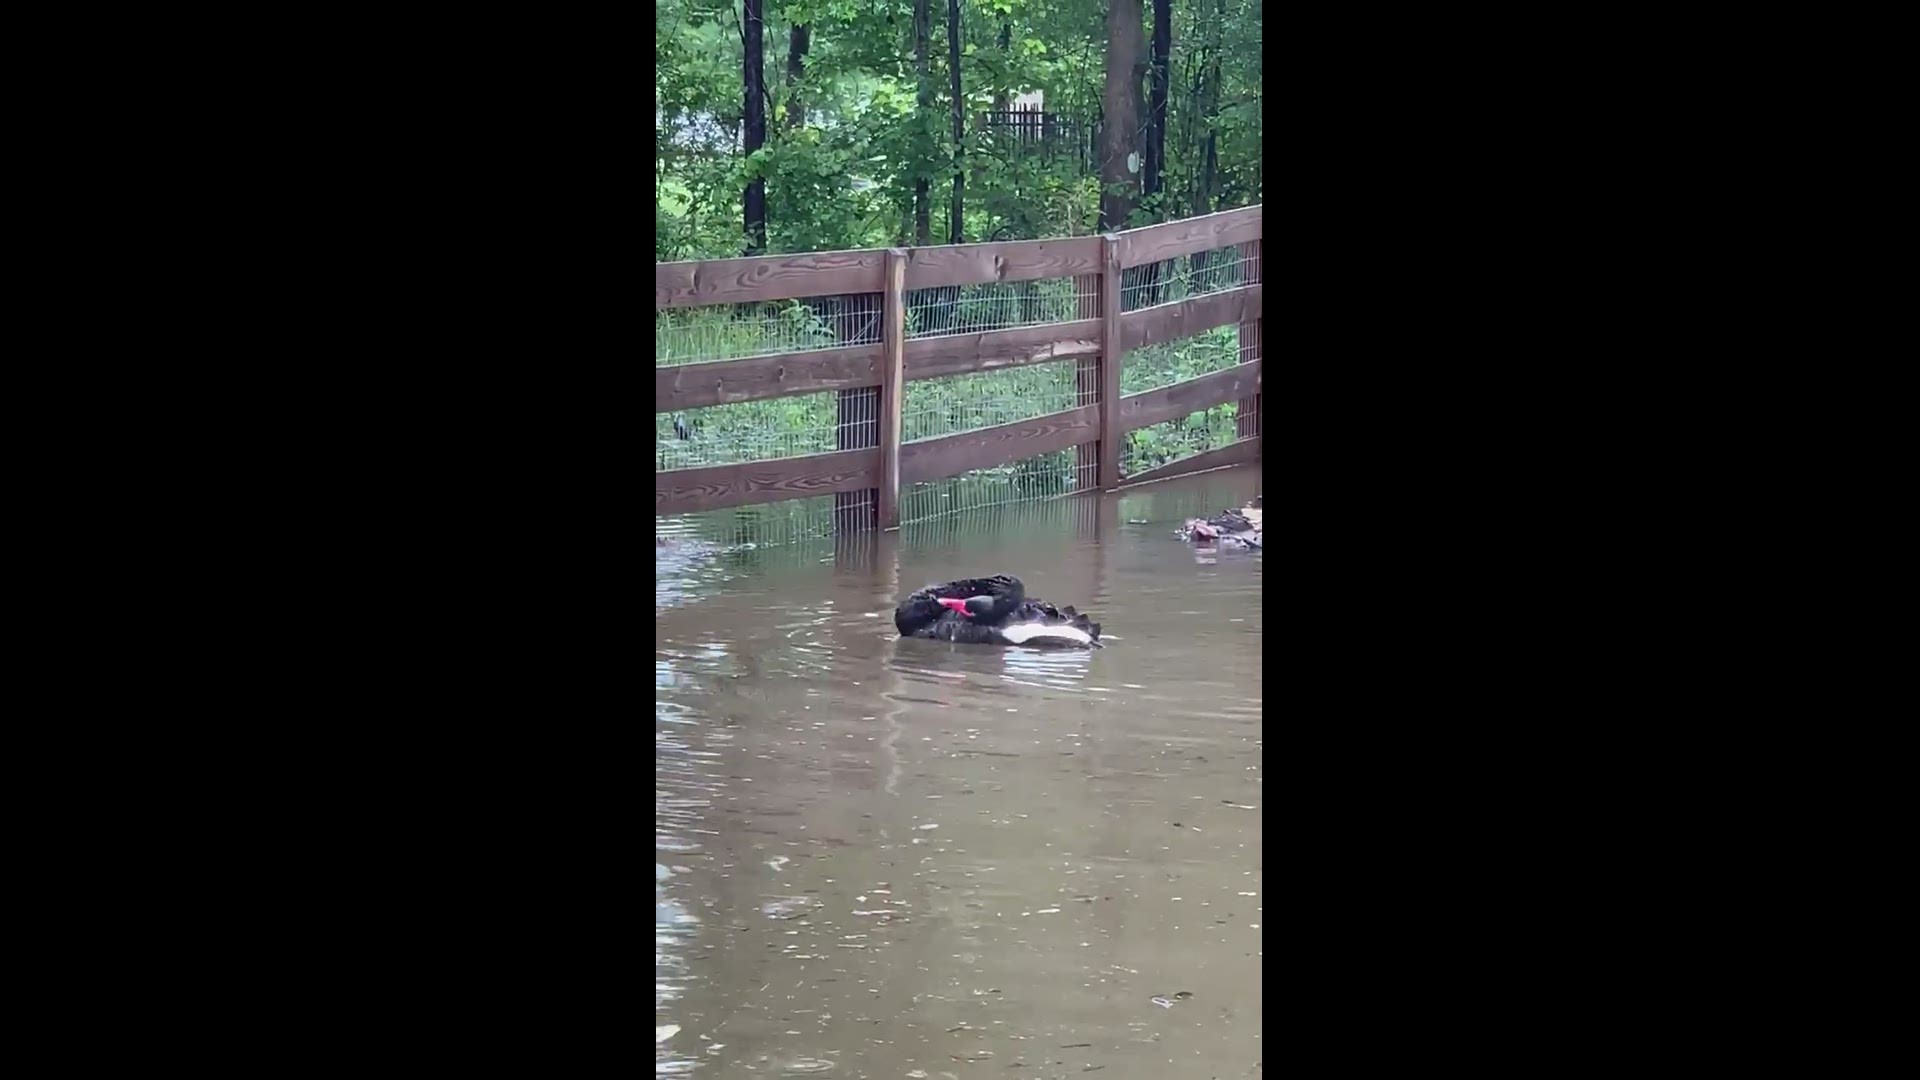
<point>1022,633</point>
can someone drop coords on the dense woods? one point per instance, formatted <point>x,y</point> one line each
<point>817,125</point>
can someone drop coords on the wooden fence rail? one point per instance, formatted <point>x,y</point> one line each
<point>1097,339</point>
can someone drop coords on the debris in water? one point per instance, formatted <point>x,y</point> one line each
<point>662,1034</point>
<point>789,907</point>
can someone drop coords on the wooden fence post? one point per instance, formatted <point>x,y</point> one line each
<point>893,338</point>
<point>1111,356</point>
<point>1247,416</point>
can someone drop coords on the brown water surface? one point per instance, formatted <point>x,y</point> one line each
<point>879,857</point>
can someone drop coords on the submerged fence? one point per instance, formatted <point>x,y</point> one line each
<point>872,377</point>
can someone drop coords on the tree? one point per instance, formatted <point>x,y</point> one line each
<point>799,38</point>
<point>922,210</point>
<point>1156,151</point>
<point>753,33</point>
<point>1120,134</point>
<point>955,231</point>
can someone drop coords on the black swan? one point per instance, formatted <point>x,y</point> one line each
<point>992,611</point>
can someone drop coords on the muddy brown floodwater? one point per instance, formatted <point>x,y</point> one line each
<point>878,857</point>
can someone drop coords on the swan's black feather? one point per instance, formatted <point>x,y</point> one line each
<point>921,614</point>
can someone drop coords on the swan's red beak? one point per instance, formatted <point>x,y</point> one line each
<point>956,605</point>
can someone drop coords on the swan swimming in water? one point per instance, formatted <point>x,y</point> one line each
<point>992,611</point>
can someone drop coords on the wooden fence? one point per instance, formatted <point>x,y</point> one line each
<point>1096,341</point>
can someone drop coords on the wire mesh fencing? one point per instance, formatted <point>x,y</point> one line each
<point>691,335</point>
<point>1247,423</point>
<point>1000,305</point>
<point>1035,479</point>
<point>1079,517</point>
<point>956,403</point>
<point>757,430</point>
<point>745,528</point>
<point>776,428</point>
<point>1163,444</point>
<point>1160,365</point>
<point>1186,276</point>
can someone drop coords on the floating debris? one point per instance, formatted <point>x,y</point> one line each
<point>662,1034</point>
<point>789,907</point>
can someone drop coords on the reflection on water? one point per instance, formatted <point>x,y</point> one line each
<point>883,857</point>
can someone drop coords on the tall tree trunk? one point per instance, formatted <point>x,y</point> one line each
<point>1156,151</point>
<point>1120,120</point>
<point>1207,104</point>
<point>1001,102</point>
<point>954,232</point>
<point>1190,127</point>
<point>922,206</point>
<point>1210,166</point>
<point>752,25</point>
<point>799,40</point>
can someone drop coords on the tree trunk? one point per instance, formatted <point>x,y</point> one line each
<point>1001,102</point>
<point>1207,155</point>
<point>1209,108</point>
<point>799,40</point>
<point>752,25</point>
<point>1190,126</point>
<point>1156,151</point>
<point>954,233</point>
<point>922,208</point>
<point>1120,119</point>
<point>1210,166</point>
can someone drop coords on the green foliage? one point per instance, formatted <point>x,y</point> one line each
<point>845,178</point>
<point>1159,444</point>
<point>1176,361</point>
